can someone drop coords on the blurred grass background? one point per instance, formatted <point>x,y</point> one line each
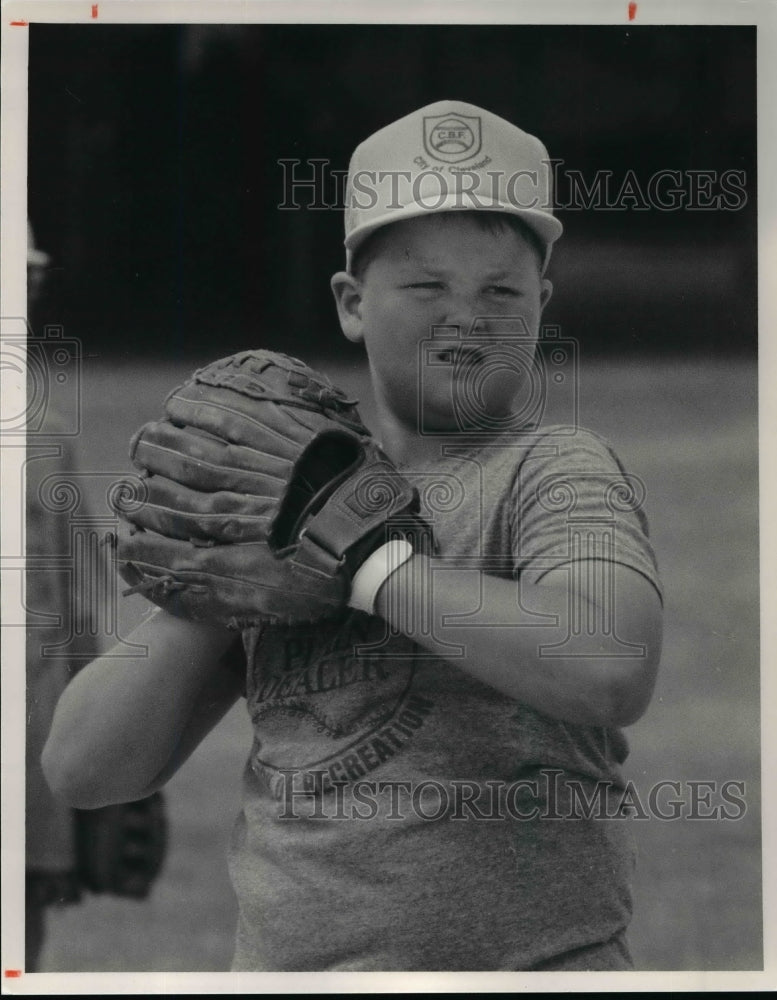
<point>688,428</point>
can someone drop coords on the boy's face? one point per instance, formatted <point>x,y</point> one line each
<point>446,270</point>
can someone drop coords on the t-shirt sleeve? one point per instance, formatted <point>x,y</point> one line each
<point>573,500</point>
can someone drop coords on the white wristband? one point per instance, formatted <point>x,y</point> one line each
<point>374,572</point>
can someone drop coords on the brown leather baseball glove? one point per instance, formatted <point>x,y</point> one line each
<point>263,495</point>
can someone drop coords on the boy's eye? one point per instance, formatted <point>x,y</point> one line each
<point>503,290</point>
<point>430,285</point>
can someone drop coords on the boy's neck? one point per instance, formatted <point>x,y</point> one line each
<point>408,448</point>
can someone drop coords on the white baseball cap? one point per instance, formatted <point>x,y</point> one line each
<point>448,156</point>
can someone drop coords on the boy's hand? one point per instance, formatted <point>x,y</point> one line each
<point>265,499</point>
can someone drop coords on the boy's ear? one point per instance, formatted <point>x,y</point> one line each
<point>545,294</point>
<point>347,292</point>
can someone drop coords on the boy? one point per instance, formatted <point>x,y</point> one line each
<point>414,798</point>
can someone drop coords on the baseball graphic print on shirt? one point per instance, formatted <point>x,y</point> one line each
<point>329,701</point>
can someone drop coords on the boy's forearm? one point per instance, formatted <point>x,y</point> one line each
<point>544,643</point>
<point>121,719</point>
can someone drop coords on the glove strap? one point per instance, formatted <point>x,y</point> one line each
<point>374,572</point>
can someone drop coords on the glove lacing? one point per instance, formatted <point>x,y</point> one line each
<point>161,586</point>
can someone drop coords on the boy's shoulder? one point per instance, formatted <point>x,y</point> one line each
<point>574,435</point>
<point>553,441</point>
<point>498,468</point>
<point>577,460</point>
<point>559,468</point>
<point>548,467</point>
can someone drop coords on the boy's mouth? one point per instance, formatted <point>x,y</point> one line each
<point>471,356</point>
<point>461,355</point>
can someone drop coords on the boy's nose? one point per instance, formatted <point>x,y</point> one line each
<point>473,318</point>
<point>460,312</point>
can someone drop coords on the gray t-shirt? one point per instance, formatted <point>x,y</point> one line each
<point>400,814</point>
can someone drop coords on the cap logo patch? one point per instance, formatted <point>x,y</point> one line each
<point>452,137</point>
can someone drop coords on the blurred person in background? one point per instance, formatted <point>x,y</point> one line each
<point>120,849</point>
<point>50,834</point>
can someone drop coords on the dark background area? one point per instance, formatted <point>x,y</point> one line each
<point>154,176</point>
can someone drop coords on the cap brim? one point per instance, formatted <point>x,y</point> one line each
<point>546,226</point>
